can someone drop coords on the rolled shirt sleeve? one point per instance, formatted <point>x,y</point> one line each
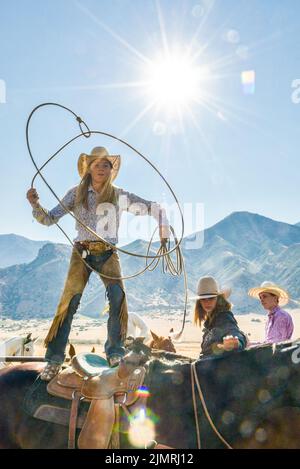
<point>49,217</point>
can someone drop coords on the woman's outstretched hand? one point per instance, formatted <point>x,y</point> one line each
<point>229,343</point>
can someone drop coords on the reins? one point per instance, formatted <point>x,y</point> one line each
<point>195,379</point>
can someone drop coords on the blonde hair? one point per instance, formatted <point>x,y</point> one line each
<point>107,194</point>
<point>200,314</point>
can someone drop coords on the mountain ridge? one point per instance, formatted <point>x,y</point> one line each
<point>241,251</point>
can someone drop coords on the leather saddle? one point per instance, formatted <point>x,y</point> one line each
<point>89,379</point>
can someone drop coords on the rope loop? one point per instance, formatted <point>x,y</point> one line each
<point>82,124</point>
<point>163,252</point>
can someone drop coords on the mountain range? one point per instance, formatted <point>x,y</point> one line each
<point>241,251</point>
<point>15,249</point>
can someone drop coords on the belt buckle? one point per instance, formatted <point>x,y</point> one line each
<point>102,247</point>
<point>96,249</point>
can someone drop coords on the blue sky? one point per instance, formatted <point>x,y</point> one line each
<point>232,151</point>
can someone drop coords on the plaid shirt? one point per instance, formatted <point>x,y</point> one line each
<point>103,218</point>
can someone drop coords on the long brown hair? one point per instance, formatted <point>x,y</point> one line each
<point>107,194</point>
<point>200,314</point>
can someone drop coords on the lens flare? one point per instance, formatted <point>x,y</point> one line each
<point>143,391</point>
<point>248,81</point>
<point>142,428</point>
<point>233,36</point>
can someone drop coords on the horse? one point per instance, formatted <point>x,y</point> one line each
<point>240,399</point>
<point>139,344</point>
<point>17,346</point>
<point>161,343</point>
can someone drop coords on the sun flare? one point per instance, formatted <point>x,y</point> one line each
<point>173,82</point>
<point>180,81</point>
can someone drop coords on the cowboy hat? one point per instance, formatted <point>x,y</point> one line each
<point>270,287</point>
<point>208,288</point>
<point>98,152</point>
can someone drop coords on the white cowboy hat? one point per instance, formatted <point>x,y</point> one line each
<point>98,152</point>
<point>270,287</point>
<point>208,288</point>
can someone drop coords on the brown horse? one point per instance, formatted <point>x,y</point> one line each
<point>252,399</point>
<point>161,343</point>
<point>157,342</point>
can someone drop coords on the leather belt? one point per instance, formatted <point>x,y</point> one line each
<point>91,247</point>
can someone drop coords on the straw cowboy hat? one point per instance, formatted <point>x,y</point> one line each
<point>98,152</point>
<point>208,288</point>
<point>270,287</point>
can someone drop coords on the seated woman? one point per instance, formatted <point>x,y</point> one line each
<point>221,332</point>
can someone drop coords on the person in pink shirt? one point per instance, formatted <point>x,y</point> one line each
<point>279,326</point>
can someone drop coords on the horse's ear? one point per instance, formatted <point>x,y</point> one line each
<point>93,350</point>
<point>140,340</point>
<point>28,338</point>
<point>35,339</point>
<point>72,351</point>
<point>155,337</point>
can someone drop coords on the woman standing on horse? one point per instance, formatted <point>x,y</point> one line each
<point>221,332</point>
<point>98,204</point>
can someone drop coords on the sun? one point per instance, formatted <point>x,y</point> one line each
<point>173,82</point>
<point>179,80</point>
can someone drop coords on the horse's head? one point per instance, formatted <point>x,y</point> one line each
<point>28,345</point>
<point>137,345</point>
<point>162,343</point>
<point>19,345</point>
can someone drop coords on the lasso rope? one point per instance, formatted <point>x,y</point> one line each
<point>163,252</point>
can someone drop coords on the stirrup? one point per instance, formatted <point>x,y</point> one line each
<point>50,370</point>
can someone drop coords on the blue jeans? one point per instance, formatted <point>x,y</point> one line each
<point>117,304</point>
